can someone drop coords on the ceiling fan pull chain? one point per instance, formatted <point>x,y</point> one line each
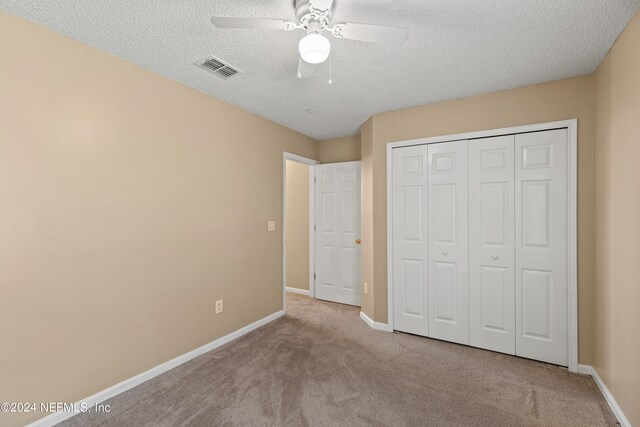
<point>330,81</point>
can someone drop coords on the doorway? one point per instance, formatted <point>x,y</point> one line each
<point>298,237</point>
<point>297,223</point>
<point>321,229</point>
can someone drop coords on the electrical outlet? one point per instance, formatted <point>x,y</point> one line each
<point>219,306</point>
<point>366,288</point>
<point>271,225</point>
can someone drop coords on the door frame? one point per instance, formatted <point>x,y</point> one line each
<point>572,213</point>
<point>311,163</point>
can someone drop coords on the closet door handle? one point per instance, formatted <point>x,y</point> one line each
<point>495,257</point>
<point>445,253</point>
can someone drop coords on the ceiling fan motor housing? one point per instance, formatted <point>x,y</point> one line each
<point>308,13</point>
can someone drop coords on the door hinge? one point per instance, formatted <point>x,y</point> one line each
<point>315,179</point>
<point>314,276</point>
<point>315,228</point>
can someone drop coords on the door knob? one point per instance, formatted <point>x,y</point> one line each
<point>445,253</point>
<point>358,241</point>
<point>495,257</point>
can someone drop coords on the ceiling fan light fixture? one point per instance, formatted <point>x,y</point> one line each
<point>314,48</point>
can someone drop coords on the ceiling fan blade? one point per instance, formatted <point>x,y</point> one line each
<point>370,33</point>
<point>305,70</point>
<point>253,23</point>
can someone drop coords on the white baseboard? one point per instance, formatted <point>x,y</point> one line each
<point>617,411</point>
<point>297,291</point>
<point>125,385</point>
<point>375,325</point>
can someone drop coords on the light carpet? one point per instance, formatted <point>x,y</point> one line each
<point>320,365</point>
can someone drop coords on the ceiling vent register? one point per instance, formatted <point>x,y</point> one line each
<point>217,67</point>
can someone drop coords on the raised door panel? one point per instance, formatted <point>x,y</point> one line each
<point>412,280</point>
<point>537,305</point>
<point>491,244</point>
<point>443,204</point>
<point>496,199</point>
<point>448,241</point>
<point>536,213</point>
<point>337,228</point>
<point>496,309</point>
<point>445,291</point>
<point>327,220</point>
<point>349,211</point>
<point>329,267</point>
<point>412,213</point>
<point>349,269</point>
<point>409,221</point>
<point>541,246</point>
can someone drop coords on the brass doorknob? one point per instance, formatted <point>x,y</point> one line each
<point>358,241</point>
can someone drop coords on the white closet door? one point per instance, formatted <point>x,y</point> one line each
<point>409,210</point>
<point>491,244</point>
<point>541,246</point>
<point>337,229</point>
<point>448,242</point>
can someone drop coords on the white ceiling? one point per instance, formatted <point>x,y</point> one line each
<point>456,48</point>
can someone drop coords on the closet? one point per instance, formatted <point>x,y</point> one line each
<point>479,242</point>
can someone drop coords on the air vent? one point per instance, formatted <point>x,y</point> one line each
<point>217,67</point>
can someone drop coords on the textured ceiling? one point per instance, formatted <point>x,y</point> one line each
<point>456,48</point>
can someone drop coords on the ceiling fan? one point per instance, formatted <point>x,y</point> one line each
<point>314,17</point>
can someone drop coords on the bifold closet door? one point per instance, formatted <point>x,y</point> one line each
<point>480,238</point>
<point>409,210</point>
<point>448,241</point>
<point>491,244</point>
<point>541,246</point>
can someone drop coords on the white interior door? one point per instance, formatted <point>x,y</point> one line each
<point>448,241</point>
<point>541,245</point>
<point>338,232</point>
<point>410,245</point>
<point>492,297</point>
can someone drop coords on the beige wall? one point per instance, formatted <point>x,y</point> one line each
<point>617,221</point>
<point>567,99</point>
<point>130,204</point>
<point>340,150</point>
<point>297,225</point>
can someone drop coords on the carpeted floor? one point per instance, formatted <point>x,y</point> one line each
<point>321,365</point>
